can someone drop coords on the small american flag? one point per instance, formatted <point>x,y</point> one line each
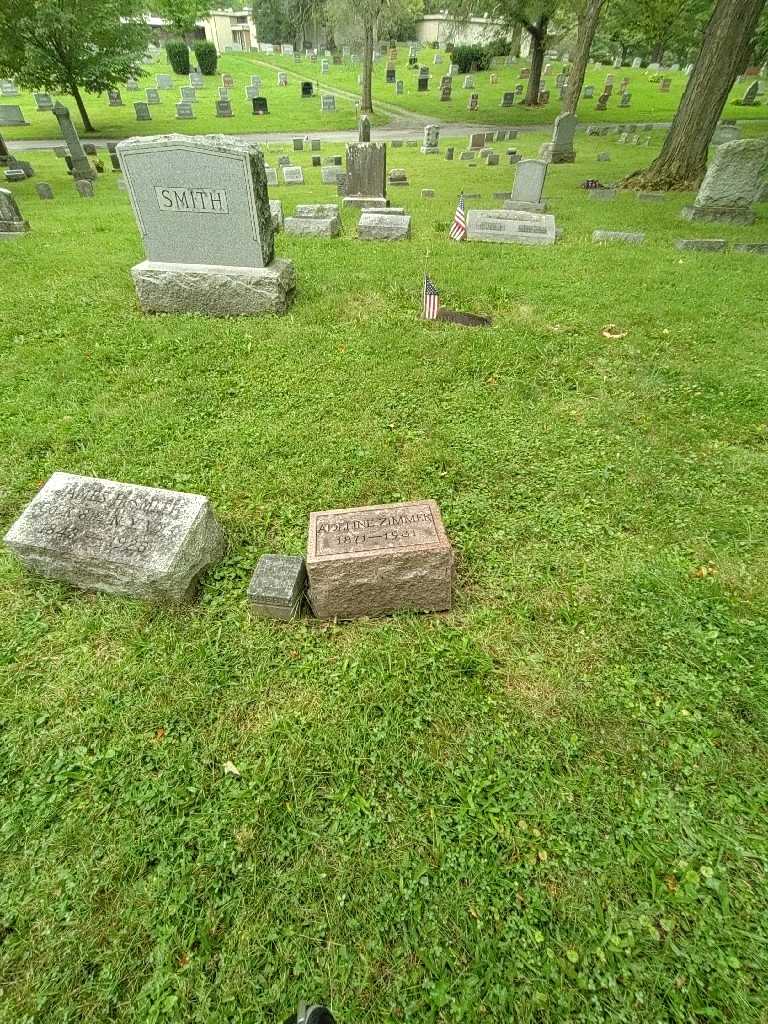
<point>431,300</point>
<point>458,230</point>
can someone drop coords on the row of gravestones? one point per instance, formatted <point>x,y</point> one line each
<point>223,108</point>
<point>732,184</point>
<point>155,544</point>
<point>257,281</point>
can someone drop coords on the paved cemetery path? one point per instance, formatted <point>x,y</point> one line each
<point>402,128</point>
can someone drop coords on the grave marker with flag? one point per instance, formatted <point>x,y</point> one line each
<point>458,230</point>
<point>431,300</point>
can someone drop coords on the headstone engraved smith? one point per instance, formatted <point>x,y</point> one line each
<point>376,560</point>
<point>120,538</point>
<point>202,207</point>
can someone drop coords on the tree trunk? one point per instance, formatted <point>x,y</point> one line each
<point>657,54</point>
<point>586,33</point>
<point>538,34</point>
<point>517,40</point>
<point>366,107</point>
<point>683,158</point>
<point>87,126</point>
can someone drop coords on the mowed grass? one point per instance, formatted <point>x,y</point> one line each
<point>546,805</point>
<point>288,111</point>
<point>648,103</point>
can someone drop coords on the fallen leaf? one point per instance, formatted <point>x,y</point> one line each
<point>611,331</point>
<point>705,570</point>
<point>159,733</point>
<point>671,882</point>
<point>230,769</point>
<point>542,855</point>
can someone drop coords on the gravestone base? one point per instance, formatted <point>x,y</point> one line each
<point>510,227</point>
<point>429,150</point>
<point>719,214</point>
<point>378,227</point>
<point>556,156</point>
<point>518,204</point>
<point>318,227</point>
<point>360,201</point>
<point>13,228</point>
<point>214,290</point>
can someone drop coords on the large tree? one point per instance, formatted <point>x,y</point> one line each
<point>370,18</point>
<point>728,42</point>
<point>537,27</point>
<point>282,21</point>
<point>587,16</point>
<point>65,46</point>
<point>533,16</point>
<point>181,15</point>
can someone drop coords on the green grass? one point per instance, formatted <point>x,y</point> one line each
<point>289,112</point>
<point>648,104</point>
<point>547,805</point>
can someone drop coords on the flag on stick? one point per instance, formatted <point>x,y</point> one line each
<point>431,303</point>
<point>458,230</point>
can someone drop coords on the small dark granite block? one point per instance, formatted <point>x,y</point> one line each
<point>276,590</point>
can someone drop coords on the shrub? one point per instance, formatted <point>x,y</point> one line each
<point>466,56</point>
<point>499,47</point>
<point>178,57</point>
<point>206,57</point>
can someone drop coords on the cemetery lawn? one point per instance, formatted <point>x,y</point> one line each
<point>546,805</point>
<point>289,112</point>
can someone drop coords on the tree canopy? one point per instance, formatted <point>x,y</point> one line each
<point>64,46</point>
<point>182,15</point>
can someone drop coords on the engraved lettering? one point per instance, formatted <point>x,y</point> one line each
<point>191,200</point>
<point>379,530</point>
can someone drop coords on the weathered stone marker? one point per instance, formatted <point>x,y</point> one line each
<point>383,226</point>
<point>732,183</point>
<point>431,143</point>
<point>560,150</point>
<point>376,560</point>
<point>367,172</point>
<point>11,221</point>
<point>120,538</point>
<point>202,207</point>
<point>529,185</point>
<point>276,590</point>
<point>81,168</point>
<point>11,115</point>
<point>511,226</point>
